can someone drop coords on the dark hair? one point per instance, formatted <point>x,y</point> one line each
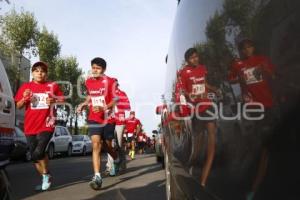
<point>100,62</point>
<point>40,64</point>
<point>242,43</point>
<point>189,53</point>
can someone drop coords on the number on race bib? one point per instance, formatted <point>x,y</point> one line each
<point>98,101</point>
<point>198,89</point>
<point>39,101</point>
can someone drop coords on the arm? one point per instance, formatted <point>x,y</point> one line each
<point>83,104</point>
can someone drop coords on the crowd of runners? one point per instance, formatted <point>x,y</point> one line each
<point>107,123</point>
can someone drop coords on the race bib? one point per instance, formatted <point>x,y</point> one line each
<point>39,101</point>
<point>98,101</point>
<point>249,76</point>
<point>198,89</point>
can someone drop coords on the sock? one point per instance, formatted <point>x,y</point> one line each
<point>98,174</point>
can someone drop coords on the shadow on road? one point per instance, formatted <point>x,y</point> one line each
<point>151,191</point>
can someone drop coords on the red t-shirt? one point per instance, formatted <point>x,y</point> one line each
<point>254,88</point>
<point>122,105</point>
<point>193,83</point>
<point>101,92</point>
<point>131,125</point>
<point>37,113</point>
<point>140,137</point>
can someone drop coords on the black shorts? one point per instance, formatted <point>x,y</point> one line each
<point>130,139</point>
<point>140,145</point>
<point>265,127</point>
<point>37,145</point>
<point>107,131</point>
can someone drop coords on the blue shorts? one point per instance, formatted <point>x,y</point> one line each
<point>107,131</point>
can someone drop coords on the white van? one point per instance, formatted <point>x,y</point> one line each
<point>7,115</point>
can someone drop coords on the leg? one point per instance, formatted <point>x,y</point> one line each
<point>211,146</point>
<point>262,168</point>
<point>39,154</point>
<point>110,162</point>
<point>96,144</point>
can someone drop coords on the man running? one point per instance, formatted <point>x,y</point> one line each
<point>101,101</point>
<point>253,72</point>
<point>122,106</point>
<point>193,78</point>
<point>132,127</point>
<point>37,97</point>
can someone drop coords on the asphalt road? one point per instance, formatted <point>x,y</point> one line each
<point>144,179</point>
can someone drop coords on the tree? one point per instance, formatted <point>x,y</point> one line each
<point>18,37</point>
<point>66,69</point>
<point>48,48</point>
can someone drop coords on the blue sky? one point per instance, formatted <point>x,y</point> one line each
<point>132,35</point>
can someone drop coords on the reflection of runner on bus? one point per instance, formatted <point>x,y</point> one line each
<point>101,100</point>
<point>253,72</point>
<point>195,89</point>
<point>132,127</point>
<point>37,97</point>
<point>122,106</point>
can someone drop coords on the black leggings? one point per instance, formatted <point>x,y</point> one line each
<point>37,145</point>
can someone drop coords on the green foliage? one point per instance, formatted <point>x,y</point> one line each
<point>19,31</point>
<point>237,18</point>
<point>49,48</point>
<point>66,69</point>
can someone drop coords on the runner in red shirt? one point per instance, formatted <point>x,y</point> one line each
<point>101,100</point>
<point>141,141</point>
<point>253,72</point>
<point>37,97</point>
<point>123,105</point>
<point>132,127</point>
<point>195,89</point>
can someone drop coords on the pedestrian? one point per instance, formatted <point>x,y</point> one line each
<point>101,101</point>
<point>132,127</point>
<point>123,105</point>
<point>38,97</point>
<point>195,88</point>
<point>254,73</point>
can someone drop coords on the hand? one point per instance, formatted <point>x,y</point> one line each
<point>26,94</point>
<point>50,100</point>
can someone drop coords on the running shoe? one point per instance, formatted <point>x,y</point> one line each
<point>96,183</point>
<point>46,182</point>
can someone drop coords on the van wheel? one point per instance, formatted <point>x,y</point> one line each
<point>51,151</point>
